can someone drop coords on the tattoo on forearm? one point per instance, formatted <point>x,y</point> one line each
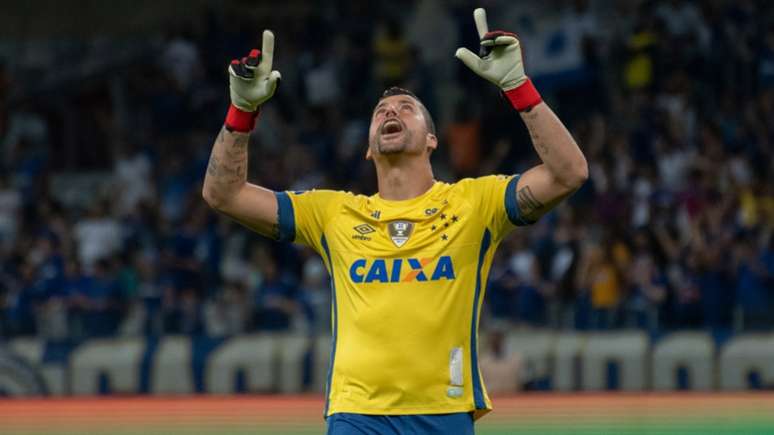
<point>541,146</point>
<point>529,114</point>
<point>238,149</point>
<point>239,171</point>
<point>527,201</point>
<point>240,142</point>
<point>538,142</point>
<point>212,166</point>
<point>230,174</point>
<point>228,162</point>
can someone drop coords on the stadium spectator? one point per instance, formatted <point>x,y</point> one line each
<point>501,297</point>
<point>501,369</point>
<point>18,301</point>
<point>316,297</point>
<point>753,283</point>
<point>529,288</point>
<point>275,301</point>
<point>227,313</point>
<point>180,59</point>
<point>647,293</point>
<point>51,308</point>
<point>94,300</point>
<point>600,279</point>
<point>463,136</point>
<point>132,178</point>
<point>149,293</point>
<point>686,304</point>
<point>392,55</point>
<point>98,236</point>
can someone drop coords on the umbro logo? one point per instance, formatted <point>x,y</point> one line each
<point>364,229</point>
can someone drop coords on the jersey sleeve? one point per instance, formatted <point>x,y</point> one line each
<point>495,196</point>
<point>303,215</point>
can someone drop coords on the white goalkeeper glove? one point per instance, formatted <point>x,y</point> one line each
<point>500,63</point>
<point>251,83</point>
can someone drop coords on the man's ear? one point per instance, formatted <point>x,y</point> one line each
<point>431,142</point>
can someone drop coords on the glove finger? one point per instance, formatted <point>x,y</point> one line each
<point>505,40</point>
<point>479,16</point>
<point>253,59</point>
<point>495,33</point>
<point>237,69</point>
<point>267,53</point>
<point>233,71</point>
<point>274,80</point>
<point>493,37</point>
<point>271,84</point>
<point>468,58</point>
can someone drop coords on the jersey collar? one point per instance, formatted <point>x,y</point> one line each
<point>418,208</point>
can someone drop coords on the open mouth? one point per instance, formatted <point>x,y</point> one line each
<point>391,126</point>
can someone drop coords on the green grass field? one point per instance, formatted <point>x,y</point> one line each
<point>534,414</point>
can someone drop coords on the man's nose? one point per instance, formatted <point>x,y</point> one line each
<point>390,112</point>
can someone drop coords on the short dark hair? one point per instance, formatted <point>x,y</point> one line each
<point>395,90</point>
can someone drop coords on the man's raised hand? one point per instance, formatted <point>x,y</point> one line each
<point>251,79</point>
<point>500,59</point>
<point>500,62</point>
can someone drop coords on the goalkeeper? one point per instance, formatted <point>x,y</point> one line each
<point>408,264</point>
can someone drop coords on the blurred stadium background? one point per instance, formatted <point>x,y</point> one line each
<point>643,305</point>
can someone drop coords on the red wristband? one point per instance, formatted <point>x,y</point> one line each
<point>239,120</point>
<point>523,97</point>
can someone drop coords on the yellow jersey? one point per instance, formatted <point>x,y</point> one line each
<point>408,279</point>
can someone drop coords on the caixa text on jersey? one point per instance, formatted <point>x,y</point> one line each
<point>393,270</point>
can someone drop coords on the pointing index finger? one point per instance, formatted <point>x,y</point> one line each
<point>267,53</point>
<point>479,15</point>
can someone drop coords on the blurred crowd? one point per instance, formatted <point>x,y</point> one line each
<point>103,230</point>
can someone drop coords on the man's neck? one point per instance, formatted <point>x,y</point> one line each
<point>406,180</point>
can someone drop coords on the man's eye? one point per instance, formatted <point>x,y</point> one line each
<point>407,107</point>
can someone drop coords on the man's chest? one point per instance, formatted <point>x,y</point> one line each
<point>428,230</point>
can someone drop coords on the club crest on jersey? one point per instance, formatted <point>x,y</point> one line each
<point>400,231</point>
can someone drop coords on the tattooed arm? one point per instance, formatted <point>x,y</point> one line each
<point>226,188</point>
<point>563,170</point>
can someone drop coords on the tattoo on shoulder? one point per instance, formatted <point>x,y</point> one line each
<point>527,201</point>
